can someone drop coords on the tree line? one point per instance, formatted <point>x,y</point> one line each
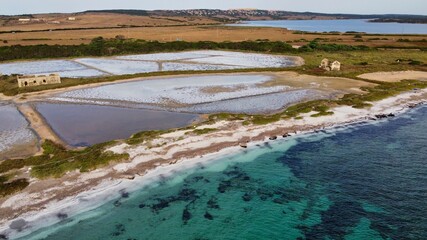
<point>118,46</point>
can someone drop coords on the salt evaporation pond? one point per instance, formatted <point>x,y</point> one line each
<point>180,90</point>
<point>266,103</point>
<point>65,68</point>
<point>14,128</point>
<point>144,63</point>
<point>84,125</point>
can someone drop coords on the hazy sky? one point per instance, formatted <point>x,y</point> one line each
<point>329,6</point>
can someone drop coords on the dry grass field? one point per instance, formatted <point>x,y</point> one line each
<point>90,25</point>
<point>97,20</point>
<point>202,33</point>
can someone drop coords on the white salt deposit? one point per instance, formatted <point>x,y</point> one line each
<point>39,67</point>
<point>164,56</point>
<point>119,67</point>
<point>175,66</point>
<point>254,104</point>
<point>143,63</point>
<point>13,128</point>
<point>185,90</point>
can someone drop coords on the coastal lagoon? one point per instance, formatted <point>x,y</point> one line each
<point>84,125</point>
<point>146,63</point>
<point>359,182</point>
<point>341,25</point>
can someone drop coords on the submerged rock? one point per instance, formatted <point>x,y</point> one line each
<point>208,216</point>
<point>160,205</point>
<point>117,203</point>
<point>62,216</point>
<point>18,224</point>
<point>212,203</point>
<point>186,215</point>
<point>124,194</point>
<point>142,205</point>
<point>187,194</point>
<point>120,229</point>
<point>247,197</point>
<point>223,186</point>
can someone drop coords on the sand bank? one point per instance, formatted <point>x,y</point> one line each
<point>395,76</point>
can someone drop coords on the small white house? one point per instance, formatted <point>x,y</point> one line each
<point>71,19</point>
<point>24,20</point>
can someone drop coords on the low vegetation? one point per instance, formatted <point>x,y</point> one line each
<point>202,131</point>
<point>103,47</point>
<point>381,91</point>
<point>8,188</point>
<point>56,160</point>
<point>145,136</point>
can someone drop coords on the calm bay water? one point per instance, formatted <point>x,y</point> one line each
<point>364,182</point>
<point>357,25</point>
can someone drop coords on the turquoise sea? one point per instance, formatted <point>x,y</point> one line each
<point>360,182</point>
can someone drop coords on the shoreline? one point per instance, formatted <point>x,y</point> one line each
<point>147,165</point>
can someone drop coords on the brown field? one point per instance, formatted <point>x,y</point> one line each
<point>166,29</point>
<point>199,33</point>
<point>98,20</point>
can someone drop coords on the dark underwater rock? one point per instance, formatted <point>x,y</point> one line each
<point>120,229</point>
<point>186,215</point>
<point>124,194</point>
<point>212,203</point>
<point>117,203</point>
<point>247,197</point>
<point>18,224</point>
<point>223,186</point>
<point>162,203</point>
<point>142,205</point>
<point>208,216</point>
<point>62,216</point>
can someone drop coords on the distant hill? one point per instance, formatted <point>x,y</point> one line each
<point>257,14</point>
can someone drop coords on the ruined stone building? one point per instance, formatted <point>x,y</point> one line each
<point>335,66</point>
<point>330,66</point>
<point>324,63</point>
<point>36,80</point>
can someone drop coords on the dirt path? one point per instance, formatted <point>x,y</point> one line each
<point>395,76</point>
<point>39,125</point>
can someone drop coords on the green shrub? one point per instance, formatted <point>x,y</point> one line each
<point>203,131</point>
<point>56,160</point>
<point>8,188</point>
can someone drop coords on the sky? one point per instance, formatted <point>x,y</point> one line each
<point>14,7</point>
